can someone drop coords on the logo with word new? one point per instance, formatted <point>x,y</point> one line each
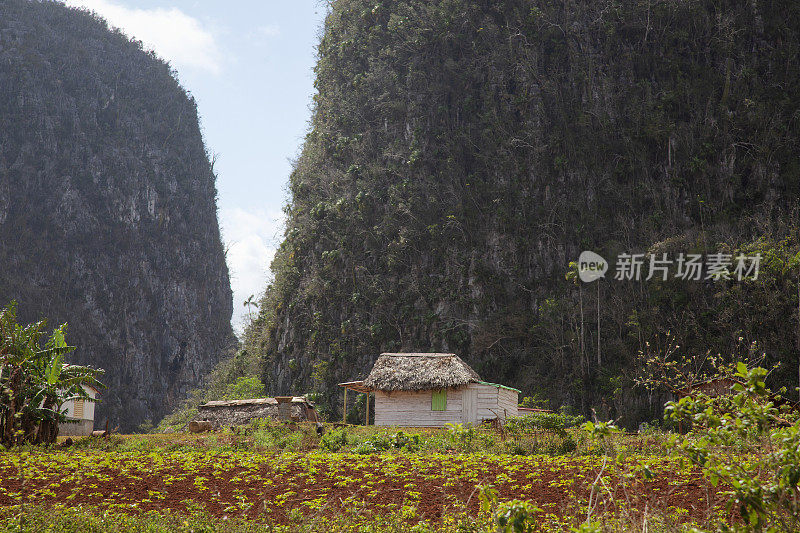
<point>591,266</point>
<point>633,267</point>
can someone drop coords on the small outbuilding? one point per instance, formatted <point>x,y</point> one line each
<point>224,413</point>
<point>433,389</point>
<point>80,415</point>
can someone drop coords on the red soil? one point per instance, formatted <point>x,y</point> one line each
<point>559,487</point>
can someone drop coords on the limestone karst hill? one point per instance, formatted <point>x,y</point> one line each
<point>462,153</point>
<point>107,207</point>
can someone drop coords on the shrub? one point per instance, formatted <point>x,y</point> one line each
<point>381,443</point>
<point>515,516</point>
<point>462,435</point>
<point>369,446</point>
<point>555,422</point>
<point>765,488</point>
<point>334,441</point>
<point>542,433</point>
<point>405,441</point>
<point>267,434</point>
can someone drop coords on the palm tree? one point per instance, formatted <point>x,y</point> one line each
<point>249,304</point>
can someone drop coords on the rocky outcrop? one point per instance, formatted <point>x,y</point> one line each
<point>107,208</point>
<point>463,153</point>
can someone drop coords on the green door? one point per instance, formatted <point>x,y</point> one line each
<point>439,400</point>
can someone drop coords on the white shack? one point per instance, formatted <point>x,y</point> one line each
<point>432,389</point>
<point>80,415</point>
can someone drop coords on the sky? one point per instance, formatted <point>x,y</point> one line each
<point>249,65</point>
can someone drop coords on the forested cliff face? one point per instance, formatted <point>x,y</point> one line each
<point>107,208</point>
<point>462,153</point>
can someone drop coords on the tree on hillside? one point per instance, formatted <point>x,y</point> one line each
<point>572,275</point>
<point>35,382</point>
<point>249,304</point>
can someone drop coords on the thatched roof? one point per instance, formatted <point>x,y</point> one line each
<point>419,371</point>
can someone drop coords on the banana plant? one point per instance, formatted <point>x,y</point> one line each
<point>35,382</point>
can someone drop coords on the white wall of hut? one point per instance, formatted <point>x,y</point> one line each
<point>465,405</point>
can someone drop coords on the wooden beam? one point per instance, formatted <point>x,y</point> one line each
<point>344,409</point>
<point>366,422</point>
<point>357,386</point>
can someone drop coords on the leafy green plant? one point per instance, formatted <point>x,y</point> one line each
<point>542,433</point>
<point>748,445</point>
<point>555,422</point>
<point>35,382</point>
<point>266,434</point>
<point>334,441</point>
<point>515,516</point>
<point>461,435</point>
<point>380,443</point>
<point>405,441</point>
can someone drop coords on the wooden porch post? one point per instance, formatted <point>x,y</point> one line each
<point>366,422</point>
<point>344,409</point>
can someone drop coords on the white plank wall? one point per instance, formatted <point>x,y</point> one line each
<point>406,408</point>
<point>495,402</point>
<point>413,409</point>
<point>487,402</point>
<point>508,402</point>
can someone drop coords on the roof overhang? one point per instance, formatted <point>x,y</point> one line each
<point>357,386</point>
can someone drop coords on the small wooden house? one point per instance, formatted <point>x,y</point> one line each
<point>80,415</point>
<point>433,389</point>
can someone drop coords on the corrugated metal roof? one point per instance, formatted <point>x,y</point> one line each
<point>500,386</point>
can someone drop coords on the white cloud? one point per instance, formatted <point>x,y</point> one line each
<point>251,238</point>
<point>268,30</point>
<point>261,36</point>
<point>172,34</point>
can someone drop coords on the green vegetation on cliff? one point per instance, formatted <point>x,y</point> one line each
<point>462,153</point>
<point>107,207</point>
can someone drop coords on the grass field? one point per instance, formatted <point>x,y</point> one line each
<point>285,477</point>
